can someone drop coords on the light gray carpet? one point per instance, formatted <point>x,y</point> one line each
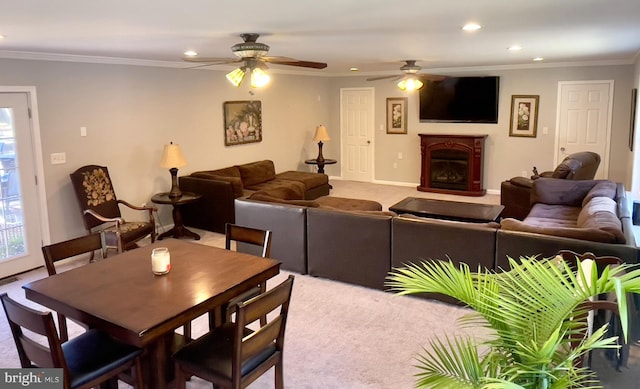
<point>340,335</point>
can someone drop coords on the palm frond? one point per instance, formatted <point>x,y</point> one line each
<point>535,313</point>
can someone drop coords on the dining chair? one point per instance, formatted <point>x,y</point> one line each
<point>100,209</point>
<point>88,360</point>
<point>232,355</point>
<point>590,312</point>
<point>55,252</point>
<point>259,243</point>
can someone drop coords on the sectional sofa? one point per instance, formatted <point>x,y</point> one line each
<point>220,187</point>
<point>361,247</point>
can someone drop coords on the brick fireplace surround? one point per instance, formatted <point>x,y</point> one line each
<point>452,164</point>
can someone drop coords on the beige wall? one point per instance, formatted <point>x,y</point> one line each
<point>505,156</point>
<point>131,111</point>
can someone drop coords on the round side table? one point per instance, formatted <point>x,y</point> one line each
<point>320,163</point>
<point>178,230</point>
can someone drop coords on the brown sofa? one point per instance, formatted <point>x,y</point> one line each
<point>361,247</point>
<point>288,222</point>
<point>515,193</point>
<point>221,187</point>
<point>577,215</point>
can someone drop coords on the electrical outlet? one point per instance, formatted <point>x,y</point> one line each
<point>395,165</point>
<point>400,155</point>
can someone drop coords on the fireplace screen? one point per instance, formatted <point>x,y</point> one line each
<point>449,169</point>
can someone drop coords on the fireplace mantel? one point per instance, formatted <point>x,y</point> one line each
<point>452,164</point>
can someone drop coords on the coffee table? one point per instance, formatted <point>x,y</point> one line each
<point>448,210</point>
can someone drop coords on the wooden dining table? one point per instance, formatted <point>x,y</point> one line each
<point>121,296</point>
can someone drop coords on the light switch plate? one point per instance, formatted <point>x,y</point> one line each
<point>58,158</point>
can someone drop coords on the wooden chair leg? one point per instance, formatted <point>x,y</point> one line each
<point>279,375</point>
<point>179,380</point>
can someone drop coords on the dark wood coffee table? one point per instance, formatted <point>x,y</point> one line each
<point>448,210</point>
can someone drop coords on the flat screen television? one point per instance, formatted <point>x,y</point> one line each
<point>460,100</point>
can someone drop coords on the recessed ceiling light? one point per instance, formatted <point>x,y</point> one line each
<point>354,69</point>
<point>471,27</point>
<point>190,53</point>
<point>515,48</point>
<point>538,59</point>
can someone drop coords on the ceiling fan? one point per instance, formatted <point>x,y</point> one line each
<point>251,55</point>
<point>410,80</point>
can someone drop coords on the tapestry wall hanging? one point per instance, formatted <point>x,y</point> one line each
<point>242,122</point>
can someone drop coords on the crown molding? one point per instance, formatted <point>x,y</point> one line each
<point>36,56</point>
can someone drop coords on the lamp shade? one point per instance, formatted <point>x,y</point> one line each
<point>321,134</point>
<point>172,156</point>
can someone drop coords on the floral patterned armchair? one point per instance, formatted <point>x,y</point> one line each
<point>101,212</point>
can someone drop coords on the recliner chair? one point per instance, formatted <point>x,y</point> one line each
<point>515,193</point>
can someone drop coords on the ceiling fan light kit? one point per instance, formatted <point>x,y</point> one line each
<point>410,84</point>
<point>252,58</point>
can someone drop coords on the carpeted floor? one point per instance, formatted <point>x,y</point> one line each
<point>346,336</point>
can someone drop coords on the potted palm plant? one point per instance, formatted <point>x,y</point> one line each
<point>533,340</point>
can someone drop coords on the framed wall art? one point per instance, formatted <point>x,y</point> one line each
<point>397,115</point>
<point>524,115</point>
<point>242,122</point>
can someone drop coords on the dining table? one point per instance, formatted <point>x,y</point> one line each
<point>123,297</point>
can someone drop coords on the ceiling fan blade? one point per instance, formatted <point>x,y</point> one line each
<point>212,61</point>
<point>432,77</point>
<point>294,62</point>
<point>396,77</point>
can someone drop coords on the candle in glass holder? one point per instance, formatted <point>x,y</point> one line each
<point>160,261</point>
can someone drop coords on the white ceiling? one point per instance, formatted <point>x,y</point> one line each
<point>374,35</point>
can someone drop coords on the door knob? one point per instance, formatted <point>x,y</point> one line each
<point>368,142</point>
<point>562,149</point>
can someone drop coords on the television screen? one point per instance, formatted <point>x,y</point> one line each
<point>460,100</point>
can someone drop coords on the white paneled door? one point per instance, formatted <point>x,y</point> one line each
<point>584,120</point>
<point>357,129</point>
<point>20,233</point>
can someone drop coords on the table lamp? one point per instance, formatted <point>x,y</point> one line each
<point>321,135</point>
<point>172,158</point>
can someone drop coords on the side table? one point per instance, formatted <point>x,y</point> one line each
<point>178,230</point>
<point>320,163</point>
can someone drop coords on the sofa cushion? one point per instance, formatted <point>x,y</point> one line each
<point>553,215</point>
<point>600,213</point>
<point>560,192</point>
<point>591,234</point>
<point>565,168</point>
<point>257,172</point>
<point>236,182</point>
<point>231,171</point>
<point>282,192</point>
<point>288,190</point>
<point>602,188</point>
<point>346,204</point>
<point>264,196</point>
<point>310,180</point>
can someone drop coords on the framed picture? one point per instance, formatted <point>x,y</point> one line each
<point>242,122</point>
<point>632,130</point>
<point>524,115</point>
<point>397,115</point>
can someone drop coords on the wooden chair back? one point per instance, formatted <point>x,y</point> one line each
<point>254,236</point>
<point>94,191</point>
<point>252,352</point>
<point>31,353</point>
<point>34,355</point>
<point>70,248</point>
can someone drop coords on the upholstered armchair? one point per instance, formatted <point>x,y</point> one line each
<point>515,193</point>
<point>101,212</point>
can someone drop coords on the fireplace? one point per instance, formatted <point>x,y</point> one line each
<point>452,164</point>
